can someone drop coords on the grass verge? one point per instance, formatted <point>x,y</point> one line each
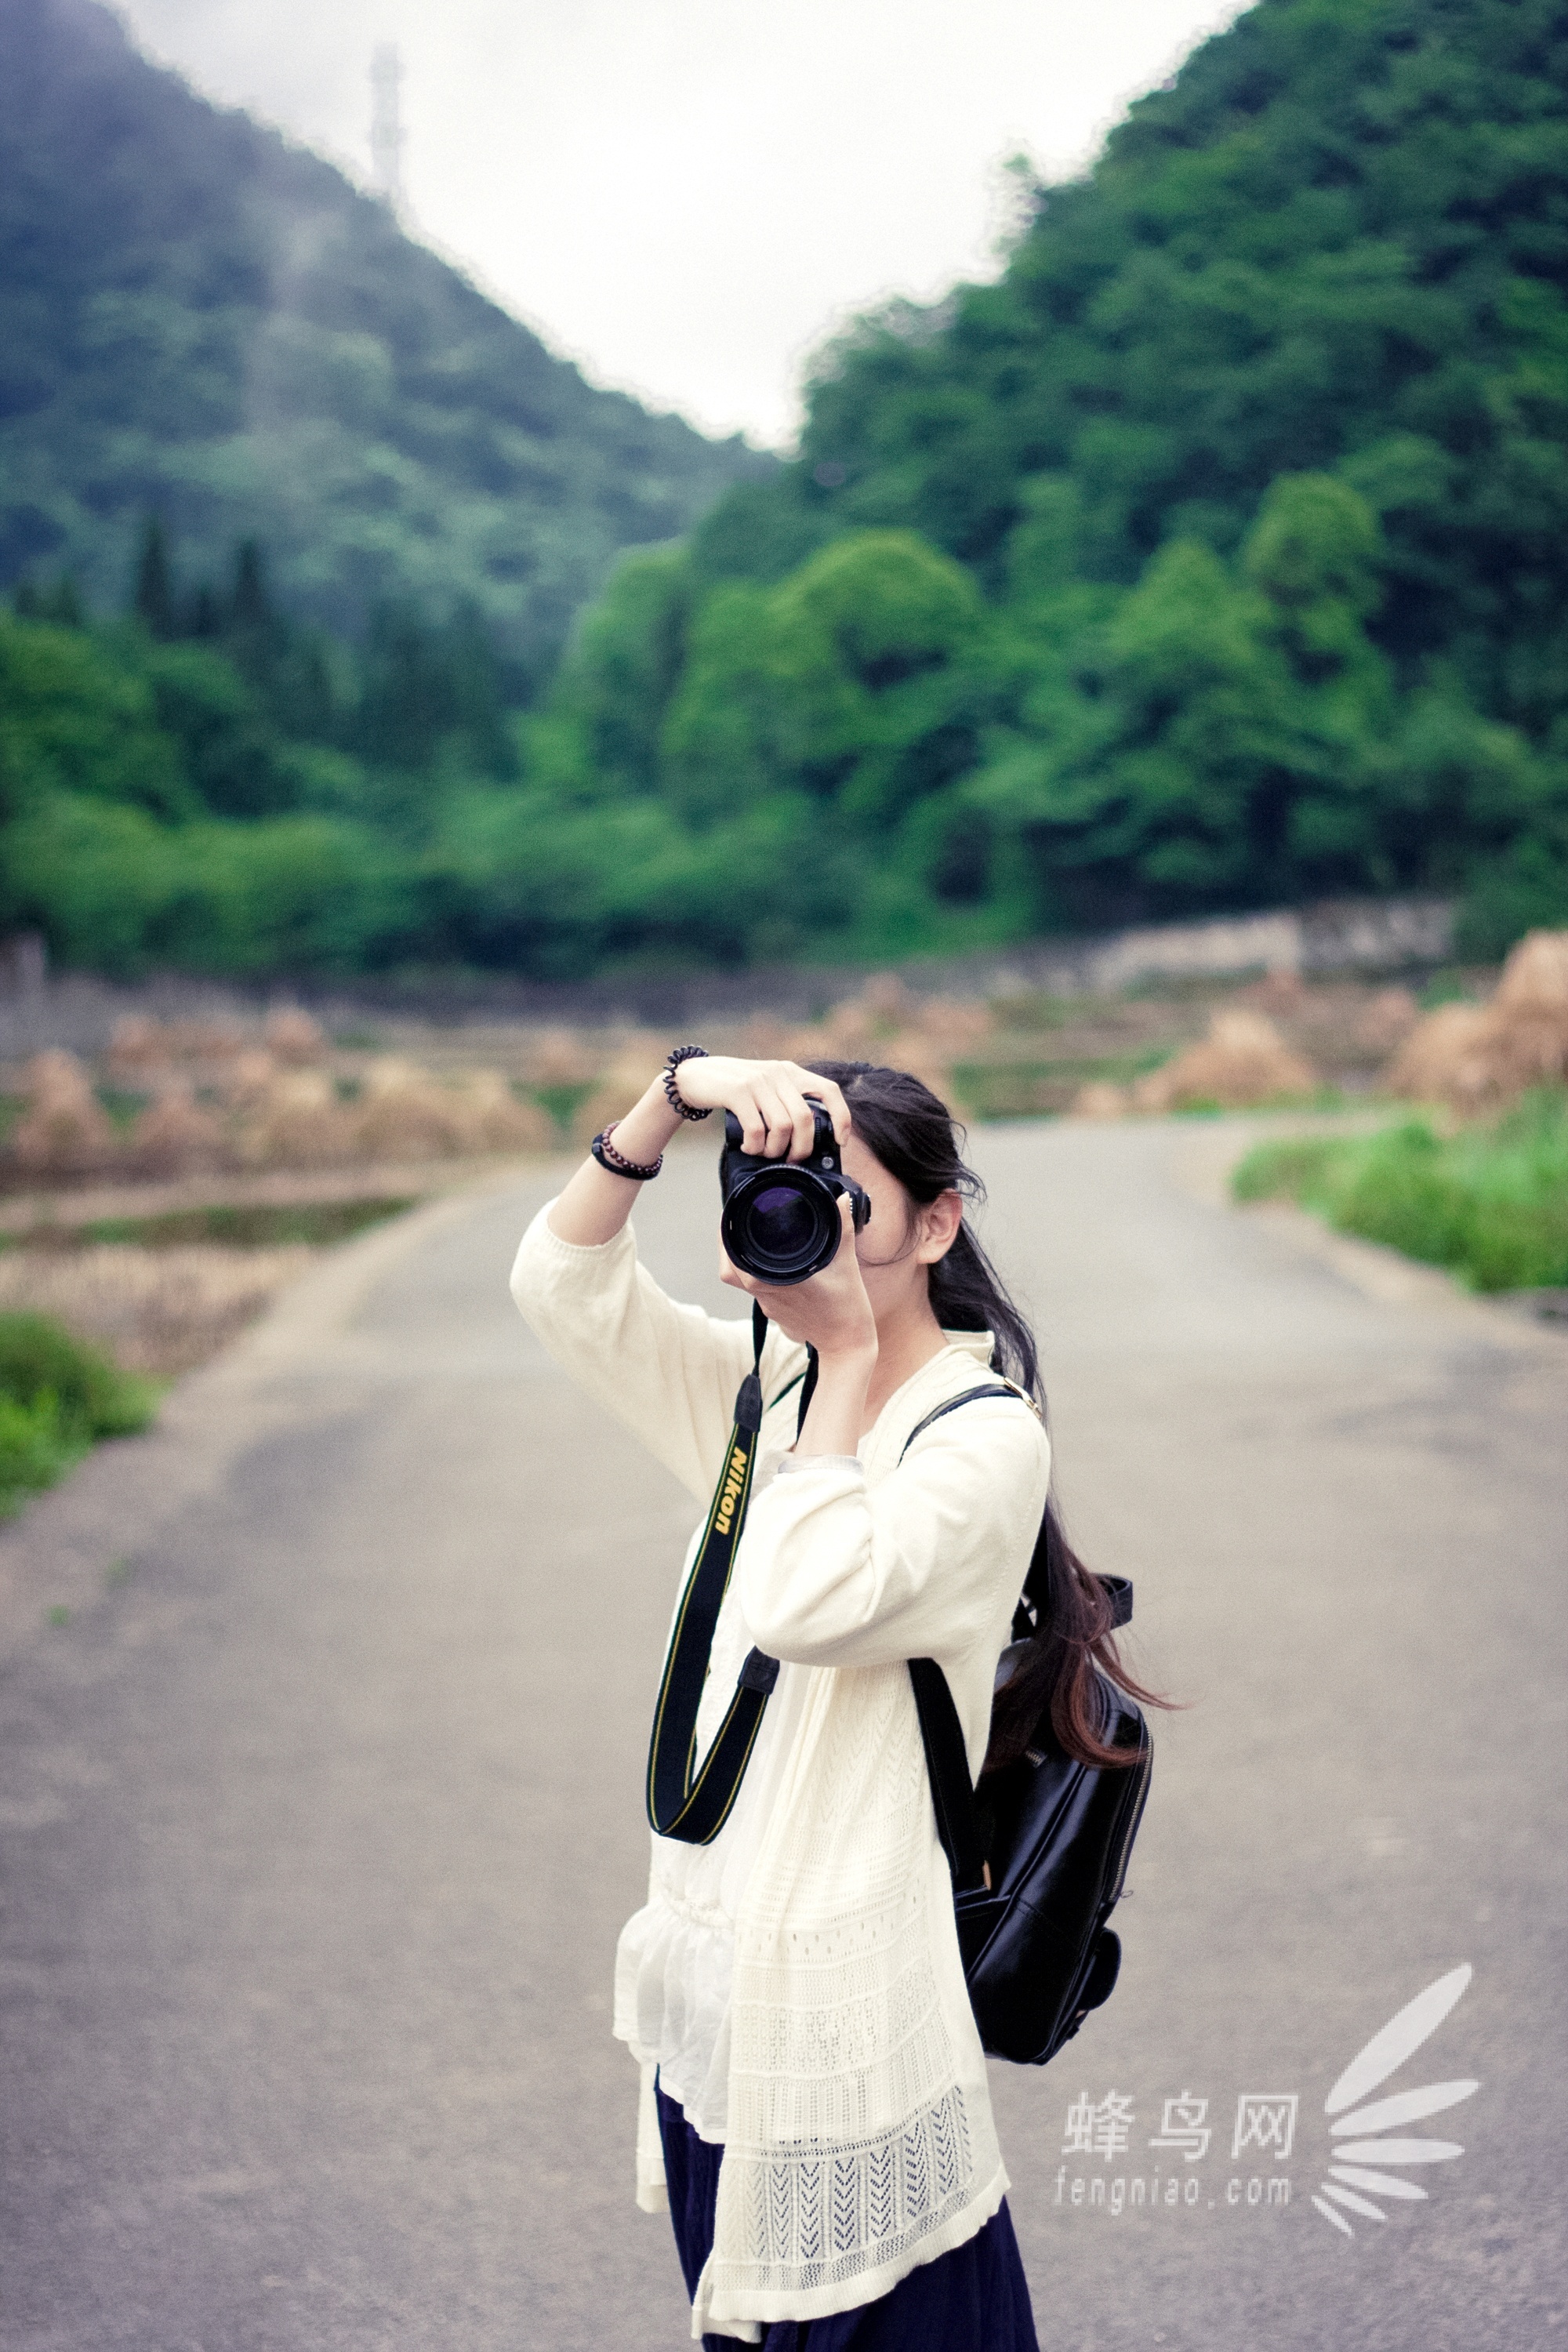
<point>57,1397</point>
<point>315,1224</point>
<point>1490,1203</point>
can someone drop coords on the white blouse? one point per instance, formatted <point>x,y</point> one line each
<point>797,1983</point>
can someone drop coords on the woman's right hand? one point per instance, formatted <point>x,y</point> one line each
<point>767,1097</point>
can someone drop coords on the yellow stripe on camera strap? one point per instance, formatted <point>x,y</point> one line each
<point>678,1805</point>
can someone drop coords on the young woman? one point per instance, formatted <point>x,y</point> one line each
<point>814,2107</point>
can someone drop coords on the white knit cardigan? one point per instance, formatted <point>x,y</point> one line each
<point>858,2140</point>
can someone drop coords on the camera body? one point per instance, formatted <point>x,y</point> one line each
<point>780,1221</point>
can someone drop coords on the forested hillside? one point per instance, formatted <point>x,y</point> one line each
<point>1214,556</point>
<point>197,318</point>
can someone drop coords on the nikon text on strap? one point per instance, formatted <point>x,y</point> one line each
<point>678,1805</point>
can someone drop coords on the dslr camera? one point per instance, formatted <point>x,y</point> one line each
<point>780,1221</point>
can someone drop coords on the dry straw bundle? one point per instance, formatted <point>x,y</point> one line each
<point>561,1058</point>
<point>1242,1062</point>
<point>142,1046</point>
<point>1386,1022</point>
<point>65,1133</point>
<point>496,1120</point>
<point>175,1136</point>
<point>137,1046</point>
<point>248,1080</point>
<point>297,1122</point>
<point>403,1113</point>
<point>294,1036</point>
<point>1478,1058</point>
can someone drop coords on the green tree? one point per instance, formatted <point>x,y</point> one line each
<point>153,590</point>
<point>855,680</point>
<point>1218,738</point>
<point>624,666</point>
<point>78,715</point>
<point>228,750</point>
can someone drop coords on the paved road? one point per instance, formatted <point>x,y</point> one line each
<point>320,1820</point>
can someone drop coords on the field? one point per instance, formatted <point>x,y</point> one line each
<point>156,1195</point>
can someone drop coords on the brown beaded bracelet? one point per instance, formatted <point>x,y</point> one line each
<point>616,1162</point>
<point>672,1063</point>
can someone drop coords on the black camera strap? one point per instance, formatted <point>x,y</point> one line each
<point>679,1806</point>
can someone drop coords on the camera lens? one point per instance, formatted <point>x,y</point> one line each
<point>782,1223</point>
<point>782,1228</point>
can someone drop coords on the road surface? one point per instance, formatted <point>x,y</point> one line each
<point>323,1810</point>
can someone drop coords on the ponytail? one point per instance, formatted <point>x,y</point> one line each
<point>1069,1645</point>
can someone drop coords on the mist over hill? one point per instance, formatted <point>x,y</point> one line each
<point>197,317</point>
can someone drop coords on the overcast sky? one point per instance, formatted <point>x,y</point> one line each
<point>687,195</point>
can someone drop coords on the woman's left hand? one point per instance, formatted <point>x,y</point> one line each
<point>830,1311</point>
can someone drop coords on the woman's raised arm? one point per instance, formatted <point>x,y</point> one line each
<point>767,1097</point>
<point>928,1563</point>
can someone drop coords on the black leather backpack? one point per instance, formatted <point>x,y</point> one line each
<point>1039,1862</point>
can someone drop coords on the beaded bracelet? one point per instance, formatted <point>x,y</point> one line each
<point>616,1162</point>
<point>672,1063</point>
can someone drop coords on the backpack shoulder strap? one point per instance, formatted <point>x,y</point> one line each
<point>947,1763</point>
<point>941,1733</point>
<point>966,1396</point>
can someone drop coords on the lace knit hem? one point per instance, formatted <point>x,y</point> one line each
<point>728,2299</point>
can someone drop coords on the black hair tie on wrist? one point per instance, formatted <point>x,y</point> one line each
<point>672,1063</point>
<point>616,1162</point>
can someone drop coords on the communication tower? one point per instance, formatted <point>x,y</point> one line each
<point>386,133</point>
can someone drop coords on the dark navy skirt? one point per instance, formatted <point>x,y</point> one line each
<point>975,2299</point>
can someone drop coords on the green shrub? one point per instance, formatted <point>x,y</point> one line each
<point>1490,1203</point>
<point>57,1399</point>
<point>33,1453</point>
<point>1282,1171</point>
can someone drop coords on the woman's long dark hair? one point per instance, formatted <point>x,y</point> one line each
<point>915,1136</point>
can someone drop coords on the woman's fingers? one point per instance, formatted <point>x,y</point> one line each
<point>797,1111</point>
<point>770,1099</point>
<point>745,1103</point>
<point>781,1124</point>
<point>785,1128</point>
<point>765,1125</point>
<point>829,1096</point>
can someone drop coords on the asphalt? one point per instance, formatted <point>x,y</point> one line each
<point>321,1808</point>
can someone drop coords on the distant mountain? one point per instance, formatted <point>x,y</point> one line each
<point>197,318</point>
